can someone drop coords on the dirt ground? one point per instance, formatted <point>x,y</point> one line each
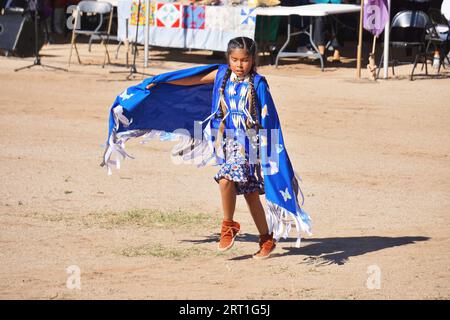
<point>374,158</point>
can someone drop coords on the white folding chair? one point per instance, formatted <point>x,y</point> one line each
<point>100,8</point>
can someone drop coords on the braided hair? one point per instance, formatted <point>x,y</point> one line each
<point>253,109</point>
<point>249,46</point>
<point>223,107</point>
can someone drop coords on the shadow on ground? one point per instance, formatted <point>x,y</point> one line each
<point>325,251</point>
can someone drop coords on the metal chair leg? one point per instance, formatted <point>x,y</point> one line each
<point>73,40</point>
<point>106,54</point>
<point>90,42</point>
<point>426,50</point>
<point>71,47</point>
<point>393,63</point>
<point>380,65</point>
<point>117,50</point>
<point>415,64</point>
<point>76,51</point>
<point>426,64</point>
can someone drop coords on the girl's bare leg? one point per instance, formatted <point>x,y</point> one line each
<point>257,211</point>
<point>228,193</point>
<point>266,241</point>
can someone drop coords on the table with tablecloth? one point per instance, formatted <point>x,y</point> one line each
<point>175,25</point>
<point>311,10</point>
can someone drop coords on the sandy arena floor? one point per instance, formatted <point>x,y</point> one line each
<point>374,158</point>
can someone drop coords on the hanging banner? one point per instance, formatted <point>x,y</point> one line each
<point>376,14</point>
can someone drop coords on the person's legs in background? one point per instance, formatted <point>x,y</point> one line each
<point>59,16</point>
<point>336,41</point>
<point>301,23</point>
<point>436,59</point>
<point>319,34</point>
<point>304,44</point>
<point>46,18</point>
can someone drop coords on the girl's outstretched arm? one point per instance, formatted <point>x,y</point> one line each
<point>191,81</point>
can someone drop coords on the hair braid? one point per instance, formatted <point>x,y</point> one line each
<point>252,102</point>
<point>222,109</point>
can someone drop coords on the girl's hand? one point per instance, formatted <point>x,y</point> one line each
<point>150,86</point>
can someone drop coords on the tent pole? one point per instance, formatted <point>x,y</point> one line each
<point>358,55</point>
<point>387,28</point>
<point>146,32</point>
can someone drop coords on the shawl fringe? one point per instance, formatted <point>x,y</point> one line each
<point>280,222</point>
<point>188,151</point>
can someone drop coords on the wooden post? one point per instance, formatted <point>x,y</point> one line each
<point>374,44</point>
<point>358,56</point>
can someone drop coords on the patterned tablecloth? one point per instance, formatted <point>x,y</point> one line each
<point>176,25</point>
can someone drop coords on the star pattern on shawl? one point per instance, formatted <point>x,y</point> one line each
<point>273,167</point>
<point>125,96</point>
<point>279,148</point>
<point>286,195</point>
<point>264,112</point>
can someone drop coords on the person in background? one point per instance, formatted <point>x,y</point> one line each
<point>445,10</point>
<point>2,6</point>
<point>299,23</point>
<point>325,29</point>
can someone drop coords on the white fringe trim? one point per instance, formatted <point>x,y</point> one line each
<point>280,222</point>
<point>189,150</point>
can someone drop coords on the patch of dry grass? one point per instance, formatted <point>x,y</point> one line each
<point>149,218</point>
<point>158,250</point>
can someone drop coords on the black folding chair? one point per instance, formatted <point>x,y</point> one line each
<point>438,36</point>
<point>408,31</point>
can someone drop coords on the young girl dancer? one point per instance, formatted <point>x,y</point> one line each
<point>242,134</point>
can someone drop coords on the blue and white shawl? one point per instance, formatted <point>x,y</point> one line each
<point>187,113</point>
